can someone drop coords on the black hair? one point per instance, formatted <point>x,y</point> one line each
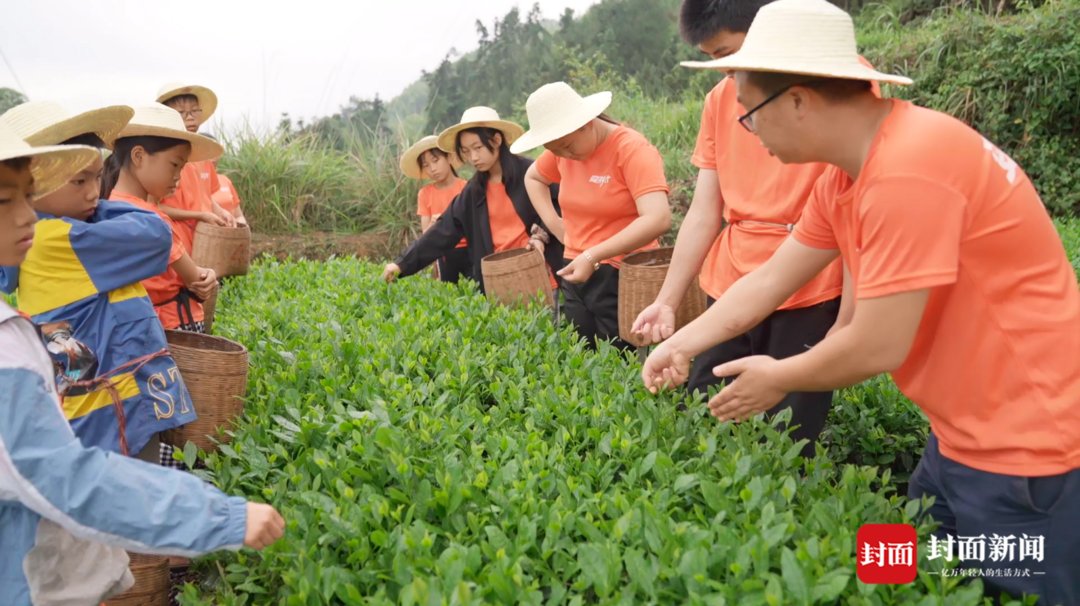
<point>185,97</point>
<point>121,156</point>
<point>437,152</point>
<point>609,119</point>
<point>700,20</point>
<point>89,139</point>
<point>487,139</point>
<point>835,89</point>
<point>17,163</point>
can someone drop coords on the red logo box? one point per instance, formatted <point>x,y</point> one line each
<point>887,554</point>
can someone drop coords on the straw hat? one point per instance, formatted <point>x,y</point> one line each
<point>207,98</point>
<point>48,123</point>
<point>410,159</point>
<point>477,117</point>
<point>159,120</point>
<point>51,165</point>
<point>556,110</point>
<point>811,37</point>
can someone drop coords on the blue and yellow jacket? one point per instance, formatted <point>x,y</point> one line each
<point>80,285</point>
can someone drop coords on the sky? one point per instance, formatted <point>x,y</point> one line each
<point>262,58</point>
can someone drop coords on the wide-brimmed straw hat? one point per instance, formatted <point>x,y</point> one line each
<point>556,110</point>
<point>479,117</point>
<point>51,165</point>
<point>811,37</point>
<point>159,120</point>
<point>410,160</point>
<point>48,123</point>
<point>207,98</point>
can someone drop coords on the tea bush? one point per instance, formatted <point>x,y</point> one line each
<point>429,448</point>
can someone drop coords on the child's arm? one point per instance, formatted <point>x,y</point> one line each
<point>178,214</point>
<point>123,245</point>
<point>97,495</point>
<point>200,280</point>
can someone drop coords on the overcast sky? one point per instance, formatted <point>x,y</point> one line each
<point>262,58</point>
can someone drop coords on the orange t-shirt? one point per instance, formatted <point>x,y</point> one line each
<point>432,201</point>
<point>761,198</point>
<point>226,196</point>
<point>507,229</point>
<point>598,195</point>
<point>164,287</point>
<point>198,182</point>
<point>996,360</point>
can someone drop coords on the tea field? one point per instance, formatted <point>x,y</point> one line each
<point>429,448</point>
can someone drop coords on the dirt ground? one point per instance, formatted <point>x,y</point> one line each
<point>317,245</point>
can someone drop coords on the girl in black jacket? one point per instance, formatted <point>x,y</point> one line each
<point>493,212</point>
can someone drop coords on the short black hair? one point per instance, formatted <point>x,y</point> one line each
<point>184,97</point>
<point>700,20</point>
<point>435,151</point>
<point>831,88</point>
<point>17,163</point>
<point>90,139</point>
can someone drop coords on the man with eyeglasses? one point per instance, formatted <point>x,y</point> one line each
<point>962,288</point>
<point>193,201</point>
<point>744,205</point>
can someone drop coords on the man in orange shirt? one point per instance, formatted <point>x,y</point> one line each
<point>193,201</point>
<point>745,203</point>
<point>963,292</point>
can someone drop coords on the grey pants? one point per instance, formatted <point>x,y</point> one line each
<point>972,503</point>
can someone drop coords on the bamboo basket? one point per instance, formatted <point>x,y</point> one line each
<point>215,371</point>
<point>209,306</point>
<point>640,278</point>
<point>515,276</point>
<point>226,250</point>
<point>152,582</point>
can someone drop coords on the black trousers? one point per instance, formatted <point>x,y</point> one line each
<point>454,265</point>
<point>783,334</point>
<point>593,307</point>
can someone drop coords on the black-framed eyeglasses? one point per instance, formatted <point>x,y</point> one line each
<point>747,121</point>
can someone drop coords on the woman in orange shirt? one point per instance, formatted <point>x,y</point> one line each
<point>146,162</point>
<point>493,211</point>
<point>424,160</point>
<point>613,194</point>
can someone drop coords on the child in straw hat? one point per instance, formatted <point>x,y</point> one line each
<point>193,201</point>
<point>613,194</point>
<point>80,284</point>
<point>424,160</point>
<point>493,212</point>
<point>744,203</point>
<point>930,217</point>
<point>69,511</point>
<point>149,154</point>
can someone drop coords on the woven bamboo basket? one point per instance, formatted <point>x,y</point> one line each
<point>226,250</point>
<point>215,371</point>
<point>640,278</point>
<point>515,276</point>
<point>209,307</point>
<point>152,582</point>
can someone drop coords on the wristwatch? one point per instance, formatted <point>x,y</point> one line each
<point>591,259</point>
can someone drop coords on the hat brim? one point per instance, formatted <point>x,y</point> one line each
<point>207,98</point>
<point>573,119</point>
<point>106,123</point>
<point>52,165</point>
<point>410,165</point>
<point>202,148</point>
<point>447,139</point>
<point>843,70</point>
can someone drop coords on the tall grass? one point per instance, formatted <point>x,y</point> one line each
<point>290,183</point>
